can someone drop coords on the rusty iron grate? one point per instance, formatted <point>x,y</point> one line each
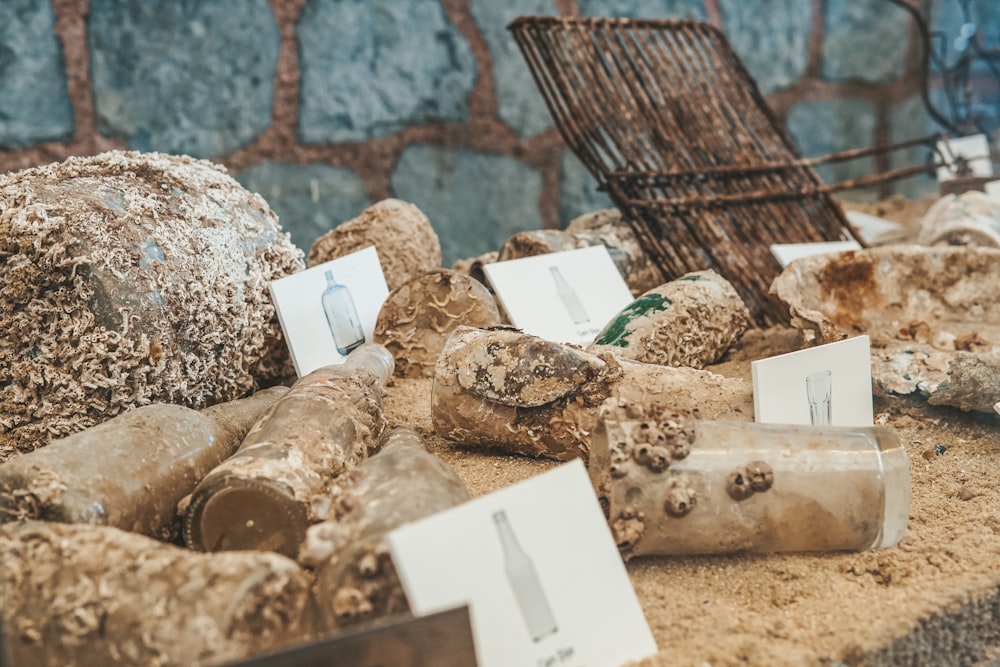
<point>666,117</point>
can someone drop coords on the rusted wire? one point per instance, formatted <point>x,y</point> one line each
<point>673,127</point>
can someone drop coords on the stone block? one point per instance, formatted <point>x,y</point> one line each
<point>35,104</point>
<point>371,68</point>
<point>772,44</point>
<point>827,126</point>
<point>183,77</point>
<point>866,41</point>
<point>474,200</point>
<point>310,199</point>
<point>519,103</point>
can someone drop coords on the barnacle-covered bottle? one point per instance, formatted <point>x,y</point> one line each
<point>355,578</point>
<point>278,482</point>
<point>131,471</point>
<point>674,485</point>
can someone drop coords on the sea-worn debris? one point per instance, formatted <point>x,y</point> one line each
<point>600,228</point>
<point>278,483</point>
<point>419,315</point>
<point>131,471</point>
<point>933,315</point>
<point>501,388</point>
<point>690,321</point>
<point>128,279</point>
<point>404,240</point>
<point>94,596</point>
<point>971,218</point>
<point>743,486</point>
<point>356,580</point>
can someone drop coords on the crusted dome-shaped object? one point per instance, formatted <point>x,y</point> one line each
<point>129,278</point>
<point>404,239</point>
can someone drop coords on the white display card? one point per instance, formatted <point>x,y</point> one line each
<point>329,309</point>
<point>975,148</point>
<point>786,253</point>
<point>827,384</point>
<point>565,297</point>
<point>874,229</point>
<point>537,566</point>
<point>993,189</point>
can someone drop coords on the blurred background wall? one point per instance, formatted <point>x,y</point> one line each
<point>324,106</point>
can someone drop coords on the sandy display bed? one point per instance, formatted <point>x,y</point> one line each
<point>933,600</point>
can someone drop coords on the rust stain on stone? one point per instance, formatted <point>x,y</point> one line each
<point>848,281</point>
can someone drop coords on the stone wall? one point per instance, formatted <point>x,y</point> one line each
<point>324,106</point>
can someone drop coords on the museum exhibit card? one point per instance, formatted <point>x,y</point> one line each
<point>537,566</point>
<point>823,385</point>
<point>566,297</point>
<point>330,309</point>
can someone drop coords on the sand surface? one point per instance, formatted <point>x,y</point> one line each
<point>934,599</point>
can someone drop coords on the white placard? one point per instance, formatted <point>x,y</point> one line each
<point>786,253</point>
<point>874,229</point>
<point>537,566</point>
<point>826,384</point>
<point>566,297</point>
<point>975,149</point>
<point>329,309</point>
<point>993,189</point>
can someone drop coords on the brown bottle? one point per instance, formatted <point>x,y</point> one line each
<point>277,484</point>
<point>131,471</point>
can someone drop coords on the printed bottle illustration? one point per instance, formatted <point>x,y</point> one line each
<point>524,582</point>
<point>342,316</point>
<point>569,297</point>
<point>819,387</point>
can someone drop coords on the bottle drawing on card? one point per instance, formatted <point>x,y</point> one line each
<point>342,316</point>
<point>524,581</point>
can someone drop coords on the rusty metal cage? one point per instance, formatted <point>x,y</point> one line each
<point>666,117</point>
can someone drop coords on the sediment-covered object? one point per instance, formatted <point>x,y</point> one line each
<point>971,218</point>
<point>690,321</point>
<point>130,278</point>
<point>131,471</point>
<point>503,388</point>
<point>933,315</point>
<point>355,579</point>
<point>279,481</point>
<point>94,596</point>
<point>417,317</point>
<point>404,239</point>
<point>601,228</point>
<point>671,484</point>
<point>473,266</point>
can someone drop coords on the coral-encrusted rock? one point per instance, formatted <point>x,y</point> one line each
<point>406,244</point>
<point>130,278</point>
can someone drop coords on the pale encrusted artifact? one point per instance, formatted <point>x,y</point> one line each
<point>279,481</point>
<point>417,317</point>
<point>94,596</point>
<point>933,315</point>
<point>130,278</point>
<point>406,244</point>
<point>971,218</point>
<point>506,389</point>
<point>690,321</point>
<point>131,471</point>
<point>355,577</point>
<point>671,484</point>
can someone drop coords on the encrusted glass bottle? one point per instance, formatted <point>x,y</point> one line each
<point>342,316</point>
<point>278,482</point>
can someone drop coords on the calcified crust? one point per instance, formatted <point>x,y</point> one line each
<point>690,321</point>
<point>328,422</point>
<point>933,315</point>
<point>508,390</point>
<point>90,596</point>
<point>356,580</point>
<point>131,471</point>
<point>406,244</point>
<point>601,228</point>
<point>971,218</point>
<point>130,278</point>
<point>417,317</point>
